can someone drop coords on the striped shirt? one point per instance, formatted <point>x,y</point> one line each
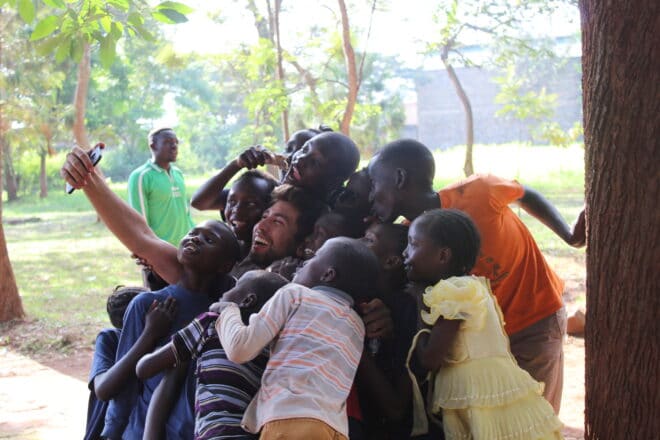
<point>224,389</point>
<point>315,340</point>
<point>160,196</point>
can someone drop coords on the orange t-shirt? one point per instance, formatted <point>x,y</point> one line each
<point>526,288</point>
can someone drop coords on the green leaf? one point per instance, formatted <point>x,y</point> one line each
<point>26,10</point>
<point>143,32</point>
<point>45,27</point>
<point>121,4</point>
<point>175,6</point>
<point>106,22</point>
<point>108,51</point>
<point>63,51</point>
<point>169,16</point>
<point>47,46</point>
<point>117,30</point>
<point>55,4</point>
<point>135,19</point>
<point>76,50</point>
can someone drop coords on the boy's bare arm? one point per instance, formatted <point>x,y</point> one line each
<point>157,324</point>
<point>210,195</point>
<point>539,207</point>
<point>122,220</point>
<point>162,402</point>
<point>158,361</point>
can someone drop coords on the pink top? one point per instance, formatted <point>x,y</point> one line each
<point>316,341</point>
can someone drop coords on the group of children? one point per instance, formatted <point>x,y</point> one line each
<point>339,323</point>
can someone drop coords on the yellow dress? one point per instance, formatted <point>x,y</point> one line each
<point>480,391</point>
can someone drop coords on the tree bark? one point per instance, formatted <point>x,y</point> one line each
<point>11,306</point>
<point>468,167</point>
<point>621,131</point>
<point>80,98</point>
<point>11,182</point>
<point>351,70</point>
<point>43,185</point>
<point>280,67</point>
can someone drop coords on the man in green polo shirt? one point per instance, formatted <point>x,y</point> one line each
<point>157,190</point>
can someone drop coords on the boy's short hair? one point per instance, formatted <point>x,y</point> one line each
<point>358,267</point>
<point>456,230</point>
<point>265,284</point>
<point>271,181</point>
<point>343,151</point>
<point>155,132</point>
<point>412,156</point>
<point>309,207</point>
<point>118,301</point>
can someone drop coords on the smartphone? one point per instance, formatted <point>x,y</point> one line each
<point>95,155</point>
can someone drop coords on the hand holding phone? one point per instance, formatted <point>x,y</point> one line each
<point>95,155</point>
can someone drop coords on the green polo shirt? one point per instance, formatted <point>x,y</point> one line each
<point>160,196</point>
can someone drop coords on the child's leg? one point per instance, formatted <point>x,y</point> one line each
<point>299,429</point>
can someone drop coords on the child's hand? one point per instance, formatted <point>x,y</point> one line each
<point>159,318</point>
<point>286,267</point>
<point>377,319</point>
<point>141,261</point>
<point>219,306</point>
<point>254,157</point>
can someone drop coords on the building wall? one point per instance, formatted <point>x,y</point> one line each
<point>441,119</point>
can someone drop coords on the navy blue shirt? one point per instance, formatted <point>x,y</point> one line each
<point>127,412</point>
<point>105,351</point>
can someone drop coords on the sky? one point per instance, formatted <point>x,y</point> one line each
<point>399,27</point>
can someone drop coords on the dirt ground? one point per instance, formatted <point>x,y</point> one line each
<point>47,398</point>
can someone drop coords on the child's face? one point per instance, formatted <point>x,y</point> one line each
<point>326,227</point>
<point>205,248</point>
<point>355,197</point>
<point>246,201</point>
<point>424,260</point>
<point>310,166</point>
<point>274,237</point>
<point>383,195</point>
<point>374,238</point>
<point>243,292</point>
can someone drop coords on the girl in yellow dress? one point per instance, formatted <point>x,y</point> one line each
<point>474,381</point>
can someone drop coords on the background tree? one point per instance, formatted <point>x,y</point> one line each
<point>68,31</point>
<point>621,130</point>
<point>499,27</point>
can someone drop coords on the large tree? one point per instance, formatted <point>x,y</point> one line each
<point>621,87</point>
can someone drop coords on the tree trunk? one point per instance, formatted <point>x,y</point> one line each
<point>468,168</point>
<point>351,70</point>
<point>43,185</point>
<point>280,67</point>
<point>621,132</point>
<point>11,306</point>
<point>80,98</point>
<point>11,183</point>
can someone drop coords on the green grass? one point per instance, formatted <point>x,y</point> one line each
<point>67,263</point>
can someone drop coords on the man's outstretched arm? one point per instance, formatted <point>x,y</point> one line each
<point>539,207</point>
<point>122,220</point>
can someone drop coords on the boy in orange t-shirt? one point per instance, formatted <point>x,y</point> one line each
<point>526,288</point>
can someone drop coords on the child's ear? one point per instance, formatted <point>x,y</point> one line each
<point>329,275</point>
<point>250,300</point>
<point>400,178</point>
<point>444,255</point>
<point>392,262</point>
